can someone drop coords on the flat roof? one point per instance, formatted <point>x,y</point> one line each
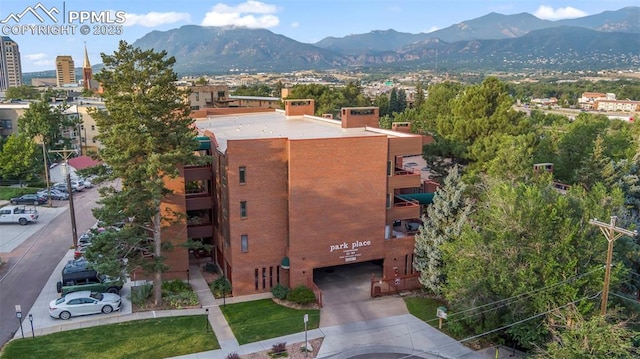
<point>264,125</point>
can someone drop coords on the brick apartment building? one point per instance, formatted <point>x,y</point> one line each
<point>288,192</point>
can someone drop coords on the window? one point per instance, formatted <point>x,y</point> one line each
<point>93,127</point>
<point>264,277</point>
<point>256,278</point>
<point>244,243</point>
<point>242,174</point>
<point>388,168</point>
<point>270,277</point>
<point>243,209</point>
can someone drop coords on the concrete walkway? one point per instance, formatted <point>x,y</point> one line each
<point>388,331</point>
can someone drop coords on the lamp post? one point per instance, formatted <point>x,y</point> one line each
<point>19,316</point>
<point>207,319</point>
<point>33,335</point>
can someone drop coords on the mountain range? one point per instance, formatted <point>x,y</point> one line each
<point>493,42</point>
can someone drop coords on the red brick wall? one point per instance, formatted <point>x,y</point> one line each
<point>299,107</point>
<point>354,117</point>
<point>177,259</point>
<point>397,251</point>
<point>265,192</point>
<point>203,113</point>
<point>336,197</point>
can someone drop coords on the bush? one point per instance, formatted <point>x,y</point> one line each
<point>233,356</point>
<point>182,299</point>
<point>210,268</point>
<point>278,350</point>
<point>280,291</point>
<point>220,287</point>
<point>301,295</point>
<point>176,286</point>
<point>140,294</point>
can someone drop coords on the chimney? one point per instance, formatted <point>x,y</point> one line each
<point>360,117</point>
<point>299,107</point>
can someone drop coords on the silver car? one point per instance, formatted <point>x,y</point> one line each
<point>84,303</point>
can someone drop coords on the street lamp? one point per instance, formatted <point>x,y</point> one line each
<point>19,316</point>
<point>33,335</point>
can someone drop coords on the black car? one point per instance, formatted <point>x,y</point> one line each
<point>30,199</point>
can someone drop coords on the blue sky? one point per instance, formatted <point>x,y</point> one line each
<point>303,20</point>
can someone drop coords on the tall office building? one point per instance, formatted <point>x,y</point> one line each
<point>10,66</point>
<point>65,71</point>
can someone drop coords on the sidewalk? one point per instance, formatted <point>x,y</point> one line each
<point>403,334</point>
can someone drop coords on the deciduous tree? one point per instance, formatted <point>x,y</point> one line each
<point>19,158</point>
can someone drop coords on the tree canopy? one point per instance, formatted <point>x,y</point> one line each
<point>147,134</point>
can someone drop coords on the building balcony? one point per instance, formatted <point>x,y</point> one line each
<point>404,178</point>
<point>198,201</point>
<point>193,173</point>
<point>200,231</point>
<point>406,228</point>
<point>403,209</point>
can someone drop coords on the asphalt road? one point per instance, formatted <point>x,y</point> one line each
<point>30,264</point>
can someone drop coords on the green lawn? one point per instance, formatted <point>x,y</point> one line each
<point>149,338</point>
<point>424,308</point>
<point>264,319</point>
<point>7,192</point>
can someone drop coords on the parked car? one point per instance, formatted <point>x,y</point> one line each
<point>84,303</point>
<point>62,187</point>
<point>21,215</point>
<point>29,198</point>
<point>55,194</point>
<point>87,279</point>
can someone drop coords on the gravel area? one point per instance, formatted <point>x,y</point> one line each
<point>292,349</point>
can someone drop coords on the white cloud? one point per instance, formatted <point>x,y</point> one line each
<point>549,13</point>
<point>242,15</point>
<point>35,57</point>
<point>295,25</point>
<point>44,63</point>
<point>154,19</point>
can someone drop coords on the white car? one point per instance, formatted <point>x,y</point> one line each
<point>84,303</point>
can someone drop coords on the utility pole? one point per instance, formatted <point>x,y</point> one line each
<point>46,172</point>
<point>66,154</point>
<point>611,233</point>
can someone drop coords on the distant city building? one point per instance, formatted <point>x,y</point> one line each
<point>10,66</point>
<point>617,106</point>
<point>65,71</point>
<point>44,82</point>
<point>87,72</point>
<point>588,99</point>
<point>208,96</point>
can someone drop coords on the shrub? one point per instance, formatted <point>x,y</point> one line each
<point>301,295</point>
<point>176,286</point>
<point>233,356</point>
<point>220,287</point>
<point>279,348</point>
<point>280,291</point>
<point>182,299</point>
<point>211,268</point>
<point>140,294</point>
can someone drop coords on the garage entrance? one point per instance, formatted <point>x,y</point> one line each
<point>346,283</point>
<point>346,294</point>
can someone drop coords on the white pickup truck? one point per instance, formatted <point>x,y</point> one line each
<point>18,214</point>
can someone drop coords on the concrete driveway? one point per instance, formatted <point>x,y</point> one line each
<point>346,295</point>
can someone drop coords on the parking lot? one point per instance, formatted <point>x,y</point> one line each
<point>40,309</point>
<point>14,234</point>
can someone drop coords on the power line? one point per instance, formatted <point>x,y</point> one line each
<point>531,292</point>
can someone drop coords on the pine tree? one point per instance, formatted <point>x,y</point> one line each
<point>444,222</point>
<point>147,134</point>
